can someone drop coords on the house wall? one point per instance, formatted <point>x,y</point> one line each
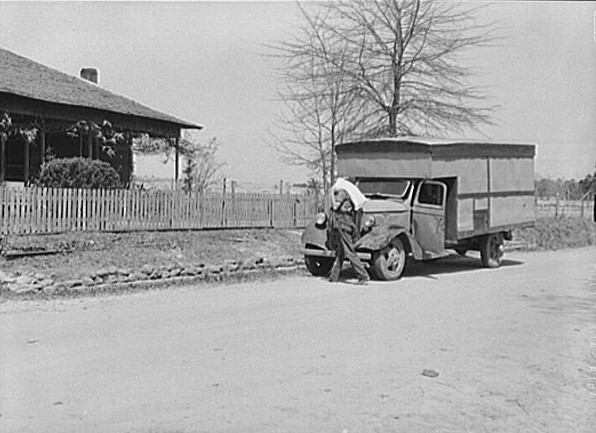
<point>55,119</point>
<point>61,145</point>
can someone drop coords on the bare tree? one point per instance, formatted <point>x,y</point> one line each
<point>367,68</point>
<point>202,170</point>
<point>320,106</point>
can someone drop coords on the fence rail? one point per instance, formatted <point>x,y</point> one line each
<point>33,210</point>
<point>565,208</point>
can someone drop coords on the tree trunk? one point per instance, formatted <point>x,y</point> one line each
<point>332,163</point>
<point>392,123</point>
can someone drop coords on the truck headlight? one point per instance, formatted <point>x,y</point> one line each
<point>320,219</point>
<point>368,222</point>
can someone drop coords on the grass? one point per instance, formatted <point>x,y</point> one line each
<point>557,233</point>
<point>89,252</point>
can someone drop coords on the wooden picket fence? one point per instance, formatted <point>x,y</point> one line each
<point>33,210</point>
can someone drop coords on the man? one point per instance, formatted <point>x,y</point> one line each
<point>343,234</point>
<point>355,195</point>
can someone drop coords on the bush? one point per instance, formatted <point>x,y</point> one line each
<point>78,173</point>
<point>558,233</point>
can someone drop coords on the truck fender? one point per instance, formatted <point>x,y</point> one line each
<point>315,235</point>
<point>379,237</point>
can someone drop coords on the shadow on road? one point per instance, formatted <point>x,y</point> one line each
<point>448,265</point>
<point>433,268</point>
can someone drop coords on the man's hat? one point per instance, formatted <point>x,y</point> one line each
<point>341,195</point>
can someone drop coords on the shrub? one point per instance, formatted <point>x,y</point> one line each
<point>78,173</point>
<point>558,233</point>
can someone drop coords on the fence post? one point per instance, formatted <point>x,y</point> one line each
<point>223,203</point>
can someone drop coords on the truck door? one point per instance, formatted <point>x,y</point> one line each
<point>428,218</point>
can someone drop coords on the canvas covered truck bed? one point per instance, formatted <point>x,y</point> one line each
<point>490,185</point>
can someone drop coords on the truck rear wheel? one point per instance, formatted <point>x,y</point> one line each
<point>491,250</point>
<point>318,266</point>
<point>389,263</point>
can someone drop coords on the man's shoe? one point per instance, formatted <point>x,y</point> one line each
<point>362,281</point>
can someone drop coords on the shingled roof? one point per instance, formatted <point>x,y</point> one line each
<point>27,78</point>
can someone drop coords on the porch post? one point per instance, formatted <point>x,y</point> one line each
<point>90,146</point>
<point>130,157</point>
<point>3,138</point>
<point>42,142</point>
<point>26,168</point>
<point>176,173</point>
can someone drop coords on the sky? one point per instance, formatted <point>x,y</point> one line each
<point>205,62</point>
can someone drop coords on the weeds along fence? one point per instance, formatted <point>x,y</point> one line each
<point>34,210</point>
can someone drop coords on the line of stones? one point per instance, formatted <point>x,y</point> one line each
<point>112,277</point>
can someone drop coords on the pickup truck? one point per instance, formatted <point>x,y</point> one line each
<point>427,196</point>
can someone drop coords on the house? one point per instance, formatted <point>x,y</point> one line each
<point>34,95</point>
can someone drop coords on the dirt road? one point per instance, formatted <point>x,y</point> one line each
<point>513,349</point>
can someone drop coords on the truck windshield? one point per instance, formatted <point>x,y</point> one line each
<point>383,188</point>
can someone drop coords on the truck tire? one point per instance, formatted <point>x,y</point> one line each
<point>318,266</point>
<point>389,263</point>
<point>491,250</point>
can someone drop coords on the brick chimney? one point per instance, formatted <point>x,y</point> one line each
<point>89,74</point>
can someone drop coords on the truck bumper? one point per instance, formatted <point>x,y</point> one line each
<point>329,253</point>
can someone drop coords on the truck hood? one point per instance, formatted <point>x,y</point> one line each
<point>372,206</point>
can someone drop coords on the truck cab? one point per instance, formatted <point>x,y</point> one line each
<point>429,196</point>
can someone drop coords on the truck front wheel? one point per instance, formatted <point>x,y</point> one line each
<point>389,262</point>
<point>491,250</point>
<point>318,266</point>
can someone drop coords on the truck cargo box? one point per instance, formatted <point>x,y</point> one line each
<point>490,185</point>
